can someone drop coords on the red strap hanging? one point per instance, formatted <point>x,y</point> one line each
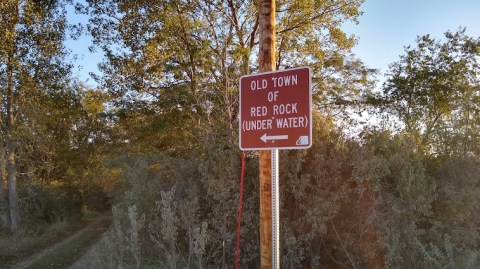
<point>240,210</point>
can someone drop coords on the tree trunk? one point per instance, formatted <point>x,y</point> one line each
<point>15,219</point>
<point>10,127</point>
<point>4,205</point>
<point>224,239</point>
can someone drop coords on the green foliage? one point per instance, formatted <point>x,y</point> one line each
<point>380,202</point>
<point>50,124</point>
<point>32,66</point>
<point>406,192</point>
<point>180,60</point>
<point>54,203</point>
<point>432,90</point>
<point>163,230</point>
<point>429,170</point>
<point>456,204</point>
<point>425,217</point>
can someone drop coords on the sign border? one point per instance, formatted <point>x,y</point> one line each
<point>309,104</point>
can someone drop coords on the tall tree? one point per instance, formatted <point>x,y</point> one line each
<point>31,62</point>
<point>181,60</point>
<point>434,91</point>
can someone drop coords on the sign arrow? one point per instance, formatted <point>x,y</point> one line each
<point>265,137</point>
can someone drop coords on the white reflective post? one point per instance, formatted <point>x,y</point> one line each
<point>275,211</point>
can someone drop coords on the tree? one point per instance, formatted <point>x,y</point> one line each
<point>433,90</point>
<point>429,177</point>
<point>182,59</point>
<point>31,63</point>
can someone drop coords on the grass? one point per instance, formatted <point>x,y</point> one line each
<point>37,237</point>
<point>73,250</point>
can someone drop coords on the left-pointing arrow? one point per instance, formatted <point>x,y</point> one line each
<point>266,137</point>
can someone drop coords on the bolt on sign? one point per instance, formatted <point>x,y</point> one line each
<point>275,110</point>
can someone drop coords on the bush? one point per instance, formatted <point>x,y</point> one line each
<point>53,202</point>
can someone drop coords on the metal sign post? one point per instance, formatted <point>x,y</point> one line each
<point>275,210</point>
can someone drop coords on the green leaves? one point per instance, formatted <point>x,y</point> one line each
<point>432,88</point>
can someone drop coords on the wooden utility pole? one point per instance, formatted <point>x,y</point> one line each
<point>266,58</point>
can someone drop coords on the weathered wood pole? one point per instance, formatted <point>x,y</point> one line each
<point>266,58</point>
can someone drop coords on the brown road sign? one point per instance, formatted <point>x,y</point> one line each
<point>276,110</point>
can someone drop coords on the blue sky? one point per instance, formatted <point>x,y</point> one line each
<point>385,27</point>
<point>87,61</point>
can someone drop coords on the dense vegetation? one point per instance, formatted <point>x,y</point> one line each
<point>158,139</point>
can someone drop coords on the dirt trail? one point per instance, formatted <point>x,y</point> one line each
<point>82,262</point>
<point>29,261</point>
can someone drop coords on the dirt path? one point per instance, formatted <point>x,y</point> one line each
<point>83,261</point>
<point>29,261</point>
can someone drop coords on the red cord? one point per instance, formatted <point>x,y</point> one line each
<point>240,210</point>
